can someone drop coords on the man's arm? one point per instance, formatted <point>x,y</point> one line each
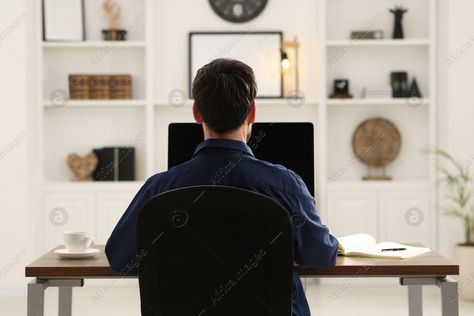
<point>315,247</point>
<point>121,248</point>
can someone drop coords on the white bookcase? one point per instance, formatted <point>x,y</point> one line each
<point>403,209</point>
<point>156,56</point>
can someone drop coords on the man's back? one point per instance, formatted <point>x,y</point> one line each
<point>231,162</point>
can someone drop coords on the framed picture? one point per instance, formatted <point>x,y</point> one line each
<point>260,50</point>
<point>63,20</point>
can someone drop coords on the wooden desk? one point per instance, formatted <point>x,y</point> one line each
<point>429,269</point>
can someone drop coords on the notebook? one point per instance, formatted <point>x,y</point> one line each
<point>365,246</point>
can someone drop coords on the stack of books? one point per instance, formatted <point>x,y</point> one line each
<point>379,92</point>
<point>100,87</point>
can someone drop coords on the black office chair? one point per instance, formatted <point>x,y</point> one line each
<point>214,250</point>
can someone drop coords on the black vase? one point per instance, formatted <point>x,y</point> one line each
<point>398,27</point>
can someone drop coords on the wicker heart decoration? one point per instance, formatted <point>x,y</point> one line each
<point>82,167</point>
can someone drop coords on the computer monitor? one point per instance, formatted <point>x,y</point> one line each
<point>288,144</point>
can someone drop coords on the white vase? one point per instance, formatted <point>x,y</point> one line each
<point>465,257</point>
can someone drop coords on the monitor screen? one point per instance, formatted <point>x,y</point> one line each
<point>288,144</point>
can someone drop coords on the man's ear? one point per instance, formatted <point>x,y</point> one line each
<point>197,114</point>
<point>251,115</point>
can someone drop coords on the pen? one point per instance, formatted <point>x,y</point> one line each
<point>394,249</point>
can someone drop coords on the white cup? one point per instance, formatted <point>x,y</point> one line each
<point>77,241</point>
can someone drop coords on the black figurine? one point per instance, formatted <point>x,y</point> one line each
<point>398,12</point>
<point>414,90</point>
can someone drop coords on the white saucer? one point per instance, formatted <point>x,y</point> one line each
<point>89,253</point>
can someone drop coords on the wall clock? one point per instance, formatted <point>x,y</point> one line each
<point>238,11</point>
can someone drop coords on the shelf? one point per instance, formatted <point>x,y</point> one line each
<point>412,102</point>
<point>94,186</point>
<point>258,102</point>
<point>394,185</point>
<point>378,43</point>
<point>96,103</point>
<point>95,44</point>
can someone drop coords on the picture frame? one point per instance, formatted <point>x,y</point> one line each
<point>63,20</point>
<point>260,50</point>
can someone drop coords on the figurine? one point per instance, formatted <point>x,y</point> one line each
<point>398,12</point>
<point>113,11</point>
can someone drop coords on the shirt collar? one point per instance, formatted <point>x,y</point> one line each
<point>224,143</point>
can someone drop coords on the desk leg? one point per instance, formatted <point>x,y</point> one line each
<point>449,296</point>
<point>65,301</point>
<point>36,297</point>
<point>415,300</point>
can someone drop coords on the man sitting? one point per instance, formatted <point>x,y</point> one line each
<point>224,94</point>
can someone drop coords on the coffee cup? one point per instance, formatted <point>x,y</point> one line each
<point>77,241</point>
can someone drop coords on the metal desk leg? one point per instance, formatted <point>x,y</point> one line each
<point>449,296</point>
<point>65,293</point>
<point>36,290</point>
<point>415,300</point>
<point>36,297</point>
<point>65,301</point>
<point>415,297</point>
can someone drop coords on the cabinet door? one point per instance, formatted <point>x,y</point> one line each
<point>406,216</point>
<point>65,211</point>
<point>352,212</point>
<point>109,208</point>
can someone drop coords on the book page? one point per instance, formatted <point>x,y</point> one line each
<point>358,243</point>
<point>409,251</point>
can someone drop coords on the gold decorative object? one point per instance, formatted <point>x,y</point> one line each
<point>82,167</point>
<point>113,11</point>
<point>376,143</point>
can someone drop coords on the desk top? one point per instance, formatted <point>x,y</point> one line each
<point>427,265</point>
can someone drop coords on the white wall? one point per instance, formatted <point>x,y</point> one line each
<point>16,188</point>
<point>456,119</point>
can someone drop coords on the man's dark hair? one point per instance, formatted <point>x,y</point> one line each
<point>223,91</point>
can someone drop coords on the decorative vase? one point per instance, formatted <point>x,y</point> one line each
<point>464,255</point>
<point>398,12</point>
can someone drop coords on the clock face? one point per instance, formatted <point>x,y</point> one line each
<point>238,11</point>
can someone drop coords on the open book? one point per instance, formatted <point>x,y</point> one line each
<point>364,245</point>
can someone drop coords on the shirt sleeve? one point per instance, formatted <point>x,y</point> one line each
<point>121,248</point>
<point>315,247</point>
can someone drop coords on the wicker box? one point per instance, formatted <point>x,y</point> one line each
<point>121,86</point>
<point>102,87</point>
<point>79,86</point>
<point>99,86</point>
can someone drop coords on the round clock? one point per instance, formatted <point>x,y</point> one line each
<point>238,11</point>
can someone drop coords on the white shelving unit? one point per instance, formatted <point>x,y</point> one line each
<point>415,102</point>
<point>402,209</point>
<point>95,44</point>
<point>67,126</point>
<point>96,103</point>
<point>380,43</point>
<point>156,56</point>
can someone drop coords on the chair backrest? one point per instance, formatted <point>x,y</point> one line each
<point>214,250</point>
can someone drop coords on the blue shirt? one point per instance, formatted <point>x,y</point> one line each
<point>232,163</point>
